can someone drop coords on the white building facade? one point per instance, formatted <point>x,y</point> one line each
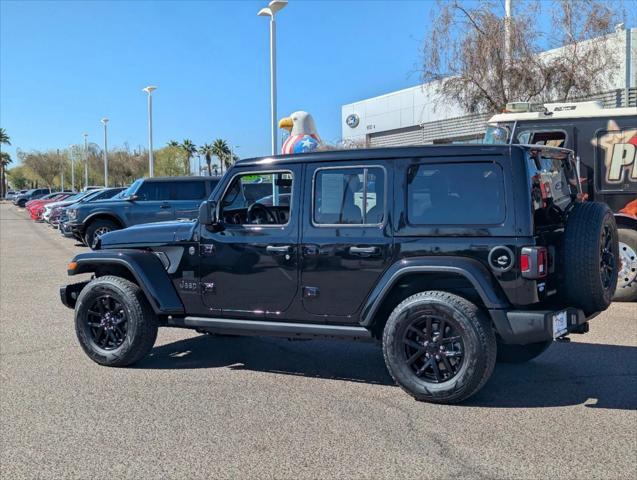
<point>418,115</point>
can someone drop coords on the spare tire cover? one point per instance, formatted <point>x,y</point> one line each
<point>590,256</point>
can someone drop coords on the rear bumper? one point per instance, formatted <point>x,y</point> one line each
<point>521,327</point>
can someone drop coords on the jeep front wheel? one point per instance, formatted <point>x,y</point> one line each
<point>114,323</point>
<point>439,347</point>
<point>98,228</point>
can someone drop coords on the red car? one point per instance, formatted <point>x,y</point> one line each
<point>36,207</point>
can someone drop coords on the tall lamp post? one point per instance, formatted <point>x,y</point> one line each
<point>72,158</point>
<point>270,11</point>
<point>85,160</point>
<point>61,170</point>
<point>149,90</point>
<point>105,122</point>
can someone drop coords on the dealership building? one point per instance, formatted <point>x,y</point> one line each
<point>419,115</point>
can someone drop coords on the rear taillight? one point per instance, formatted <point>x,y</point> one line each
<point>534,262</point>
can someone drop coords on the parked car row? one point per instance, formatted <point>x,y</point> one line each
<point>11,194</point>
<point>87,215</point>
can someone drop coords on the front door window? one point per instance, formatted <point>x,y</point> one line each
<point>258,199</point>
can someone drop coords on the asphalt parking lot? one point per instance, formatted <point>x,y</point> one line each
<point>203,407</point>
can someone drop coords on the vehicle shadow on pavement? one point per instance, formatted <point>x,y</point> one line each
<point>336,360</point>
<point>596,375</point>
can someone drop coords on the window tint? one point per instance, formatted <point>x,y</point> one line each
<point>349,196</point>
<point>258,199</point>
<point>195,190</point>
<point>455,194</point>
<point>154,191</point>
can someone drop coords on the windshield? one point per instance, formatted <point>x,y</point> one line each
<point>92,194</point>
<point>132,189</point>
<point>496,135</point>
<point>76,197</point>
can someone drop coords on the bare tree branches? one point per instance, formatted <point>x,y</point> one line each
<point>464,52</point>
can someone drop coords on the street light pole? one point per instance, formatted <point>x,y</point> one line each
<point>85,160</point>
<point>105,122</point>
<point>151,164</point>
<point>71,155</point>
<point>61,171</point>
<point>273,7</point>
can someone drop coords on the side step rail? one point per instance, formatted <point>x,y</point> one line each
<point>272,329</point>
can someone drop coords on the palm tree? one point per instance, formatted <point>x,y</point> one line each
<point>222,151</point>
<point>4,160</point>
<point>189,149</point>
<point>173,143</point>
<point>208,151</point>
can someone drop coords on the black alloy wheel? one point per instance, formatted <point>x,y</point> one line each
<point>434,350</point>
<point>107,322</point>
<point>439,347</point>
<point>114,323</point>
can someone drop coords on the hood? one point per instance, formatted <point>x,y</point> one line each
<point>62,203</point>
<point>150,234</point>
<point>105,202</point>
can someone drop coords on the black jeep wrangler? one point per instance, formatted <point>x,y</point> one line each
<point>451,256</point>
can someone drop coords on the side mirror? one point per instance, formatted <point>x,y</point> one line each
<point>132,198</point>
<point>207,213</point>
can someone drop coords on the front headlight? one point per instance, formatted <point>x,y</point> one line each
<point>72,214</point>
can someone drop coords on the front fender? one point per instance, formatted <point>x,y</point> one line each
<point>103,213</point>
<point>472,270</point>
<point>144,266</point>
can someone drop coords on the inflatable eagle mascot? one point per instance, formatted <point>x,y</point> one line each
<point>303,136</point>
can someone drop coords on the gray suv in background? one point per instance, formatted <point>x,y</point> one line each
<point>146,200</point>
<point>33,194</point>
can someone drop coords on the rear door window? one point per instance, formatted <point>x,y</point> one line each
<point>455,194</point>
<point>349,196</point>
<point>189,190</point>
<point>155,191</point>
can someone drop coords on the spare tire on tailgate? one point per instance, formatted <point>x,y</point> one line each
<point>590,256</point>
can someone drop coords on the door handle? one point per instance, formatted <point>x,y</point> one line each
<point>363,250</point>
<point>164,205</point>
<point>310,250</point>
<point>279,250</point>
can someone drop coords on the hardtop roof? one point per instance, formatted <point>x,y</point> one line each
<point>179,179</point>
<point>393,152</point>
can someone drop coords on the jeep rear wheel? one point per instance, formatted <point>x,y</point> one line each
<point>627,281</point>
<point>521,353</point>
<point>439,347</point>
<point>591,256</point>
<point>98,228</point>
<point>114,323</point>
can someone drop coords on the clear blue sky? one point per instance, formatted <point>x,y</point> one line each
<point>65,65</point>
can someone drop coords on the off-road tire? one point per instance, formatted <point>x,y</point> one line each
<point>473,327</point>
<point>581,255</point>
<point>141,321</point>
<point>98,225</point>
<point>521,353</point>
<point>627,286</point>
